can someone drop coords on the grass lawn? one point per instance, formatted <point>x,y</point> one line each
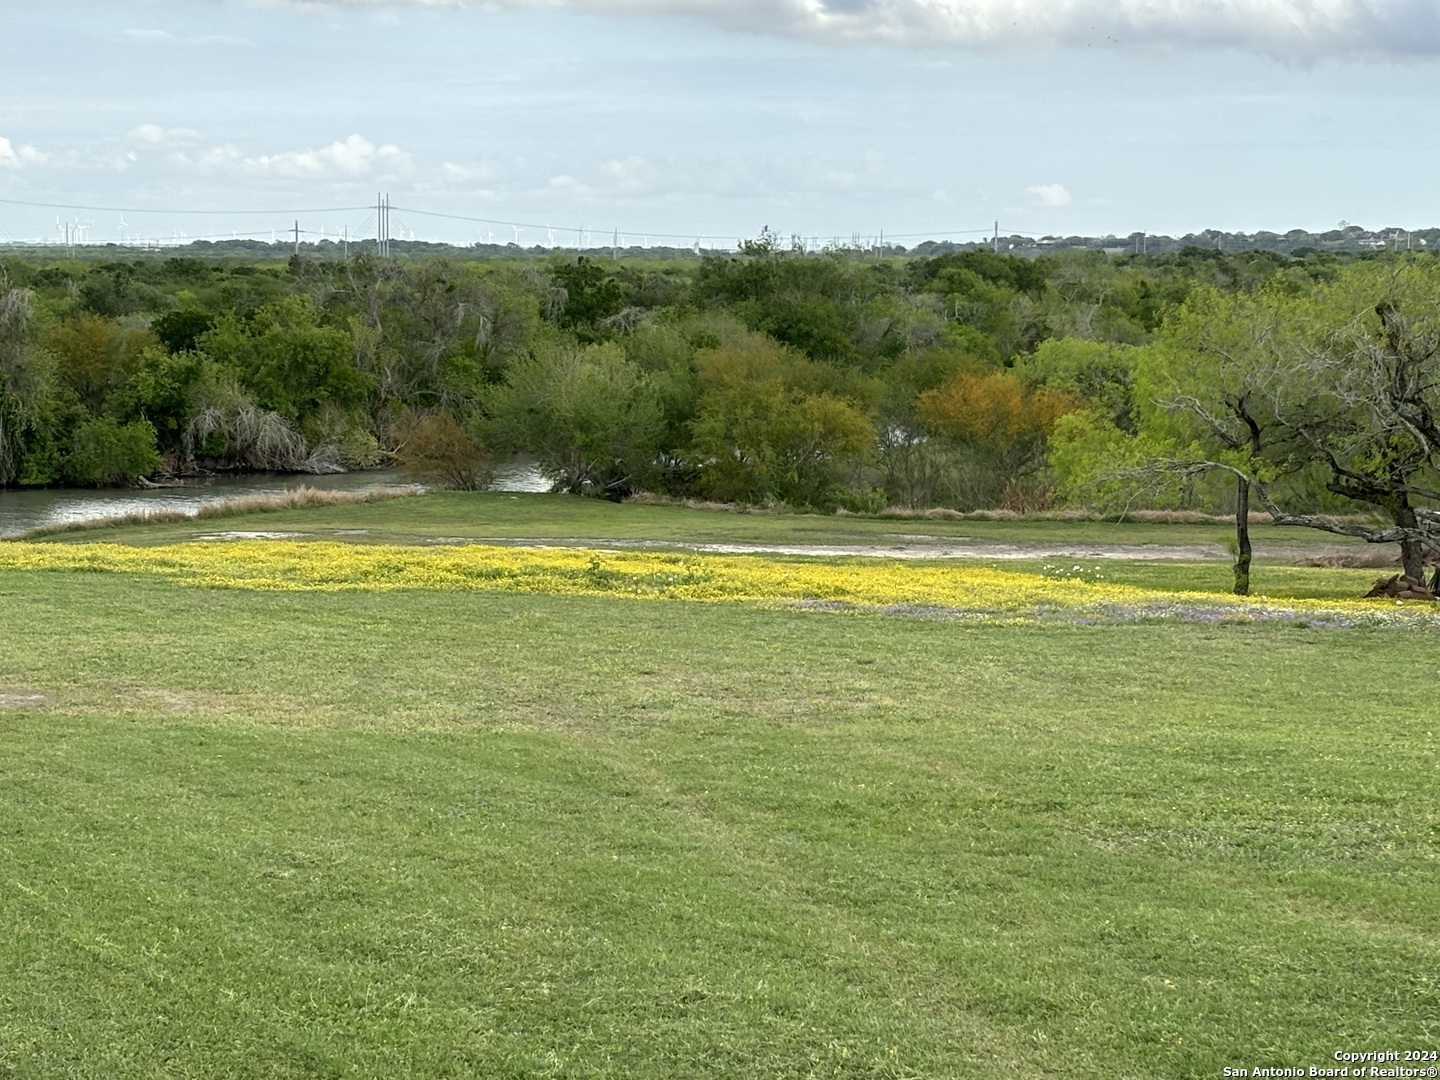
<point>429,833</point>
<point>496,515</point>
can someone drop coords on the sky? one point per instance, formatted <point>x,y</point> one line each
<point>670,121</point>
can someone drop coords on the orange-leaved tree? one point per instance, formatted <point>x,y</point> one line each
<point>1000,420</point>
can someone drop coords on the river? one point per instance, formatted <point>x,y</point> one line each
<point>25,509</point>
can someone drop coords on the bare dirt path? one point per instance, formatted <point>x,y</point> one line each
<point>919,548</point>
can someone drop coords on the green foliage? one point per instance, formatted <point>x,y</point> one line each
<point>818,305</point>
<point>583,295</point>
<point>773,425</point>
<point>180,330</point>
<point>161,392</point>
<point>1097,371</point>
<point>1006,271</point>
<point>288,362</point>
<point>95,356</point>
<point>312,365</point>
<point>589,416</point>
<point>105,451</point>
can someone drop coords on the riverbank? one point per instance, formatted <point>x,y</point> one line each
<point>23,511</point>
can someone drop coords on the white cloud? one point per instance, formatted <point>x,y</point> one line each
<point>155,135</point>
<point>165,37</point>
<point>457,173</point>
<point>1288,28</point>
<point>17,157</point>
<point>355,157</point>
<point>1049,194</point>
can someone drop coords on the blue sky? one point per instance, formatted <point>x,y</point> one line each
<point>699,118</point>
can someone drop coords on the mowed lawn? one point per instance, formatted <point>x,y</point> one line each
<point>425,833</point>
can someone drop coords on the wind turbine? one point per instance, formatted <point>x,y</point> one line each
<point>124,225</point>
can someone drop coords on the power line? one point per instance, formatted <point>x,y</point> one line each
<point>661,235</point>
<point>382,209</point>
<point>151,210</point>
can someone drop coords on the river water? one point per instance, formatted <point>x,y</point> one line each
<point>30,509</point>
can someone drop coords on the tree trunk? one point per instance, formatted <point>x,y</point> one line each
<point>1412,558</point>
<point>1412,552</point>
<point>1242,537</point>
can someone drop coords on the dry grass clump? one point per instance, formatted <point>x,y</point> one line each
<point>302,498</point>
<point>299,498</point>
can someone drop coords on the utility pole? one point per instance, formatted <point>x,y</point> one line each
<point>995,244</point>
<point>297,236</point>
<point>615,245</point>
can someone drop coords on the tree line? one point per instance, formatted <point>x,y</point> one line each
<point>967,379</point>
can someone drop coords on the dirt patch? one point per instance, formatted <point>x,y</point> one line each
<point>903,546</point>
<point>242,535</point>
<point>911,549</point>
<point>21,701</point>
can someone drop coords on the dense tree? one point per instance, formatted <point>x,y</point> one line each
<point>999,420</point>
<point>95,356</point>
<point>583,295</point>
<point>773,374</point>
<point>17,384</point>
<point>587,414</point>
<point>290,364</point>
<point>773,424</point>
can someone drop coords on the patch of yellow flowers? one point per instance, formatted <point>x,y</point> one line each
<point>869,583</point>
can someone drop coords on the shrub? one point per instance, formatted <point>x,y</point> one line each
<point>437,444</point>
<point>108,452</point>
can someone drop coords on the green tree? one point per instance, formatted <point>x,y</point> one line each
<point>1343,380</point>
<point>95,356</point>
<point>161,392</point>
<point>587,414</point>
<point>582,295</point>
<point>289,361</point>
<point>105,451</point>
<point>772,424</point>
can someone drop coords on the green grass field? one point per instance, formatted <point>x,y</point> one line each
<point>427,833</point>
<point>495,515</point>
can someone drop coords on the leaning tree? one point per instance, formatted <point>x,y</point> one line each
<point>1360,395</point>
<point>1340,380</point>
